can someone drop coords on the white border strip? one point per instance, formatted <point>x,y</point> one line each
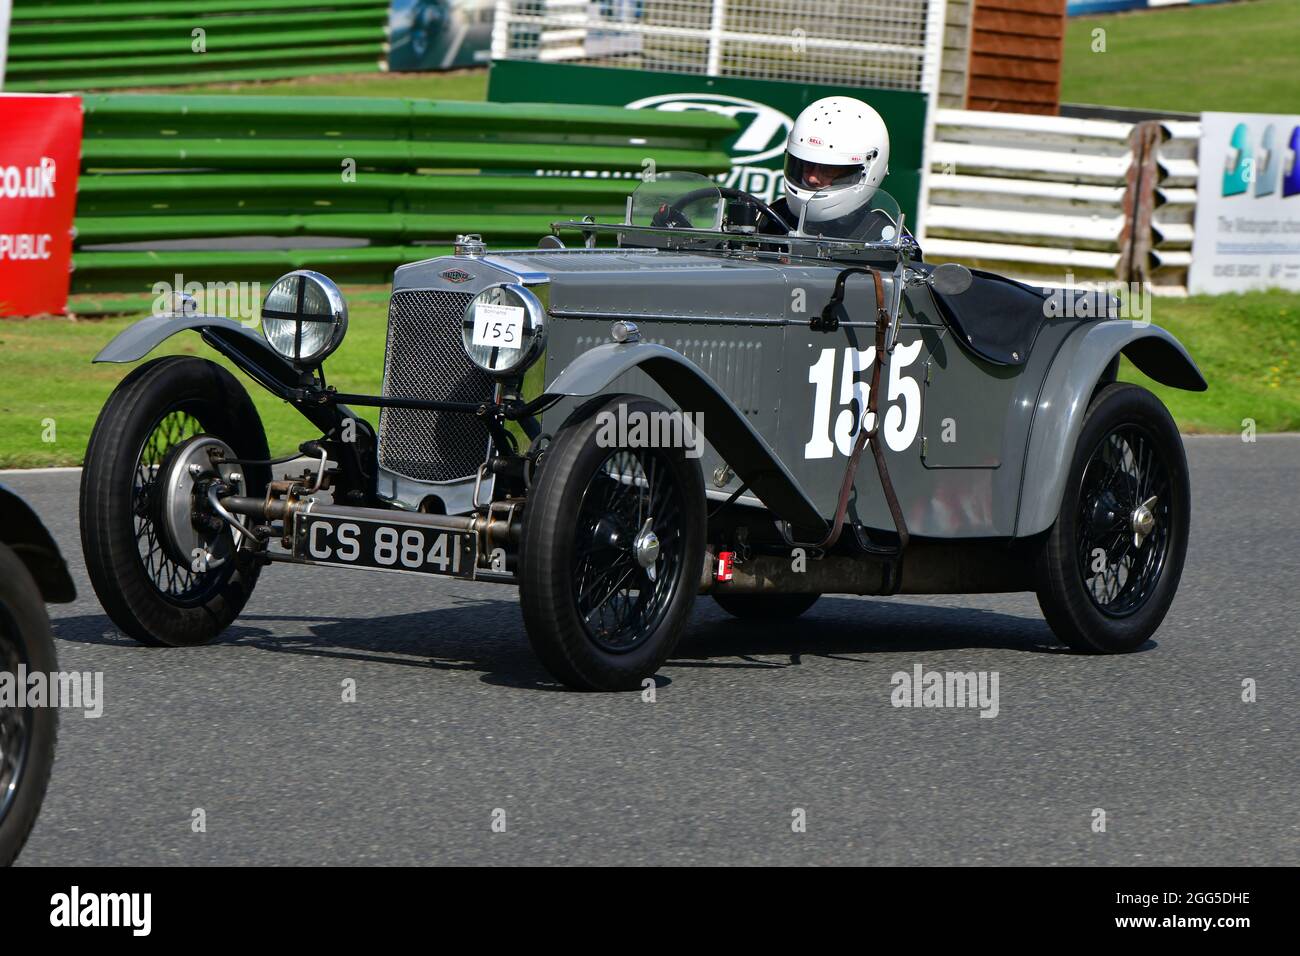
<point>64,470</point>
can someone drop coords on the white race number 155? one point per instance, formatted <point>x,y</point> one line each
<point>902,418</point>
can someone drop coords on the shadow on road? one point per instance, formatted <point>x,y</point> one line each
<point>487,637</point>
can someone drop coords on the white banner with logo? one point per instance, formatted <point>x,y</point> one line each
<point>1247,228</point>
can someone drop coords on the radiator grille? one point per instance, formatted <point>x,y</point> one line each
<point>425,359</point>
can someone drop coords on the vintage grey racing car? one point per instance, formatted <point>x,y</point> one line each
<point>685,402</point>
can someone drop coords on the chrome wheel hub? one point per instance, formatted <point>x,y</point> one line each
<point>646,548</point>
<point>1143,520</point>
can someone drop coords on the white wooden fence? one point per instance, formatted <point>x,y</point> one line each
<point>1057,200</point>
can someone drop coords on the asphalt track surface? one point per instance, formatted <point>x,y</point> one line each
<point>455,720</point>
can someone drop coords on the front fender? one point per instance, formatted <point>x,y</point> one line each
<point>245,348</point>
<point>726,428</point>
<point>23,531</point>
<point>248,350</point>
<point>1063,402</point>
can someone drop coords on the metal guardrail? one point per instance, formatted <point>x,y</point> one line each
<point>112,44</point>
<point>163,174</point>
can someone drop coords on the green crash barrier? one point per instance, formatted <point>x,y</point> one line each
<point>113,44</point>
<point>406,176</point>
<point>62,85</point>
<point>275,23</point>
<point>173,60</point>
<point>177,44</point>
<point>100,272</point>
<point>40,10</point>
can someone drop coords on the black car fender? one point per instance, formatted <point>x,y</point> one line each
<point>725,426</point>
<point>1079,366</point>
<point>242,346</point>
<point>245,348</point>
<point>22,530</point>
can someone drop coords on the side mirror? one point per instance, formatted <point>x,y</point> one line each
<point>950,279</point>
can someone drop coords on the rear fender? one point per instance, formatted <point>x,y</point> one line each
<point>1081,363</point>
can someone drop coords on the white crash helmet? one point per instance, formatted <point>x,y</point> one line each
<point>838,151</point>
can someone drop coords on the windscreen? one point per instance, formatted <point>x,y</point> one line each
<point>677,200</point>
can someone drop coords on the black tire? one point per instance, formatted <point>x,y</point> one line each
<point>766,607</point>
<point>146,592</point>
<point>27,735</point>
<point>577,537</point>
<point>1128,452</point>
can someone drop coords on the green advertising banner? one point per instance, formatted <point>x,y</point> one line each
<point>765,110</point>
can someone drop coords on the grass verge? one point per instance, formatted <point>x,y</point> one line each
<point>1234,57</point>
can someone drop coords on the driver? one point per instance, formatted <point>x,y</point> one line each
<point>835,158</point>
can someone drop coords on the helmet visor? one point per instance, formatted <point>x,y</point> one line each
<point>806,174</point>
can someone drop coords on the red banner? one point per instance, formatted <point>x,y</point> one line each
<point>40,152</point>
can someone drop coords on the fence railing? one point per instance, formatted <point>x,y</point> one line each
<point>1034,197</point>
<point>1052,200</point>
<point>225,187</point>
<point>56,46</point>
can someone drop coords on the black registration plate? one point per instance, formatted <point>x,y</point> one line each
<point>384,545</point>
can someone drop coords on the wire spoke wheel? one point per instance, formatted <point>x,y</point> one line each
<point>140,555</point>
<point>15,722</point>
<point>1123,521</point>
<point>1108,568</point>
<point>628,550</point>
<point>611,551</point>
<point>28,733</point>
<point>173,579</point>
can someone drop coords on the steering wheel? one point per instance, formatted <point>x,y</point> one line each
<point>672,215</point>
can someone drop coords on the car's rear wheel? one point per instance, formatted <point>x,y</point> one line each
<point>27,734</point>
<point>1111,563</point>
<point>150,592</point>
<point>766,607</point>
<point>612,552</point>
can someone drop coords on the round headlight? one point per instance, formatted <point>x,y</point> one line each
<point>304,317</point>
<point>504,329</point>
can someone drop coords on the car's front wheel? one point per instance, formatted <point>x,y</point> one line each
<point>1111,563</point>
<point>612,551</point>
<point>150,589</point>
